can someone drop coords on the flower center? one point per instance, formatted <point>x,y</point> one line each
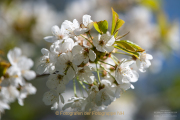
<point>101,42</point>
<point>60,36</point>
<point>81,71</point>
<point>68,63</point>
<point>47,60</point>
<point>59,77</point>
<point>85,53</point>
<point>82,25</point>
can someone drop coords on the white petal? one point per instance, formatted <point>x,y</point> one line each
<point>76,49</point>
<point>29,74</point>
<point>78,59</point>
<point>41,69</point>
<point>86,20</point>
<point>118,77</point>
<point>98,99</point>
<point>125,86</point>
<point>25,63</point>
<point>109,48</point>
<point>111,41</point>
<point>96,40</point>
<point>76,24</point>
<point>50,39</point>
<point>67,105</point>
<point>55,30</point>
<point>118,92</point>
<point>45,51</point>
<point>13,55</point>
<point>61,88</point>
<point>135,76</point>
<point>62,98</point>
<point>70,73</point>
<point>148,56</point>
<point>132,87</point>
<point>92,55</point>
<point>55,106</point>
<point>107,101</point>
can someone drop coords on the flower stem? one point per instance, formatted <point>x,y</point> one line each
<point>79,85</point>
<point>98,73</point>
<point>74,83</point>
<point>90,35</point>
<point>106,63</point>
<point>87,40</point>
<point>108,72</point>
<point>114,59</point>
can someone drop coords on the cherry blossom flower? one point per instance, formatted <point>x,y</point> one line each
<point>143,61</point>
<point>74,103</point>
<point>85,74</point>
<point>124,74</point>
<point>71,27</point>
<point>82,54</point>
<point>85,26</point>
<point>59,34</point>
<point>52,97</point>
<point>47,62</point>
<point>65,64</point>
<point>26,90</point>
<point>104,43</point>
<point>105,95</point>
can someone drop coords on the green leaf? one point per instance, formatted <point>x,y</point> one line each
<point>136,54</point>
<point>129,45</point>
<point>101,26</point>
<point>116,23</point>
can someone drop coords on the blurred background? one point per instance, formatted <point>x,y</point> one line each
<point>153,24</point>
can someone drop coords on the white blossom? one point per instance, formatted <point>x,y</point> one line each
<point>75,103</point>
<point>13,85</point>
<point>105,95</point>
<point>65,65</point>
<point>52,97</point>
<point>57,81</point>
<point>143,61</point>
<point>71,27</point>
<point>20,64</point>
<point>26,90</point>
<point>85,74</point>
<point>104,42</point>
<point>82,54</point>
<point>59,34</point>
<point>121,88</point>
<point>124,74</point>
<point>47,62</point>
<point>85,26</point>
<point>62,46</point>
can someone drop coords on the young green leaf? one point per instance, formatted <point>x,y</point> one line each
<point>116,23</point>
<point>101,26</point>
<point>129,45</point>
<point>136,54</point>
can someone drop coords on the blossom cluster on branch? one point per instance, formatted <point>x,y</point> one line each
<point>14,77</point>
<point>91,61</point>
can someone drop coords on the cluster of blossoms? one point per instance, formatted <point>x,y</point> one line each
<point>75,55</point>
<point>13,83</point>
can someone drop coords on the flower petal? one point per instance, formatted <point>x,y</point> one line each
<point>50,39</point>
<point>70,73</point>
<point>13,55</point>
<point>92,55</point>
<point>29,74</point>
